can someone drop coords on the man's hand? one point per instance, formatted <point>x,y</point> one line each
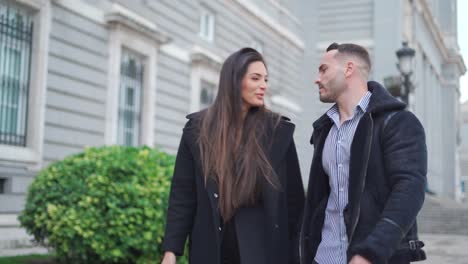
<point>359,260</point>
<point>169,258</point>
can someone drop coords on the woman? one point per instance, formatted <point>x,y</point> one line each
<point>237,191</point>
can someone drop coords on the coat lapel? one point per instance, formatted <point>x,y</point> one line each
<point>211,185</point>
<point>321,129</point>
<point>360,151</point>
<point>280,141</point>
<point>275,151</point>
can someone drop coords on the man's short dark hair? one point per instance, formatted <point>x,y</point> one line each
<point>353,50</point>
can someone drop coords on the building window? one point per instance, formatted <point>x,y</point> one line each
<point>130,96</point>
<point>134,42</point>
<point>24,49</point>
<point>15,61</point>
<point>207,25</point>
<point>207,94</point>
<point>204,78</point>
<point>2,185</point>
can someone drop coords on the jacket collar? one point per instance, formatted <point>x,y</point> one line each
<point>380,101</point>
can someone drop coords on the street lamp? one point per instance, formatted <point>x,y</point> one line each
<point>405,57</point>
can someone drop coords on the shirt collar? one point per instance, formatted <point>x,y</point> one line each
<point>362,106</point>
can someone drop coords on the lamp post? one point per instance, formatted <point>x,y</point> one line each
<point>405,57</point>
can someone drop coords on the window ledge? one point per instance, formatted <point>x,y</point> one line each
<point>18,154</point>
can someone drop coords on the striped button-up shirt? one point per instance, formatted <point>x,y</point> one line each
<point>335,161</point>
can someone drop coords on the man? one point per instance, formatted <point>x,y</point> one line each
<point>368,173</point>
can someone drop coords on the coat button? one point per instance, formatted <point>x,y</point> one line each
<point>219,228</point>
<point>276,226</point>
<point>215,195</point>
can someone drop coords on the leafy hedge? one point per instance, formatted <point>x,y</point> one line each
<point>106,205</point>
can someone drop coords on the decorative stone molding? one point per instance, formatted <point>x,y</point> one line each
<point>201,56</point>
<point>121,15</point>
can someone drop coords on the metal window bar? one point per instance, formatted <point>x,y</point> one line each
<point>130,97</point>
<point>16,30</point>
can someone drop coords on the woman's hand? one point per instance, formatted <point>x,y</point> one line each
<point>169,258</point>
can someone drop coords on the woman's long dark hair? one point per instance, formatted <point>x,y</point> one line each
<point>232,147</point>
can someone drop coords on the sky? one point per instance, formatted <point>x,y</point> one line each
<point>463,43</point>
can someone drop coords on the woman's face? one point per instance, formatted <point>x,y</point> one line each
<point>254,85</point>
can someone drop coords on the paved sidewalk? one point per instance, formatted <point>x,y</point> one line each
<point>441,249</point>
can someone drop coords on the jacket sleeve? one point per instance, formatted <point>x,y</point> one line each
<point>182,201</point>
<point>405,161</point>
<point>295,197</point>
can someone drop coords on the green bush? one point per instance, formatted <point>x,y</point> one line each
<point>106,205</point>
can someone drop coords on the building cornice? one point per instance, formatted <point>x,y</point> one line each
<point>285,11</point>
<point>270,22</point>
<point>448,56</point>
<point>119,14</point>
<point>423,7</point>
<point>201,56</point>
<point>458,60</point>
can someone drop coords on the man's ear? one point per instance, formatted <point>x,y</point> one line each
<point>350,68</point>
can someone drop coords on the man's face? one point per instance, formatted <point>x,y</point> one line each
<point>331,78</point>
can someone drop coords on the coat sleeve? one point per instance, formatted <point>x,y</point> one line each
<point>405,161</point>
<point>295,198</point>
<point>182,201</point>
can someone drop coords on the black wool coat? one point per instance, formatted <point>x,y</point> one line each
<point>387,179</point>
<point>268,235</point>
